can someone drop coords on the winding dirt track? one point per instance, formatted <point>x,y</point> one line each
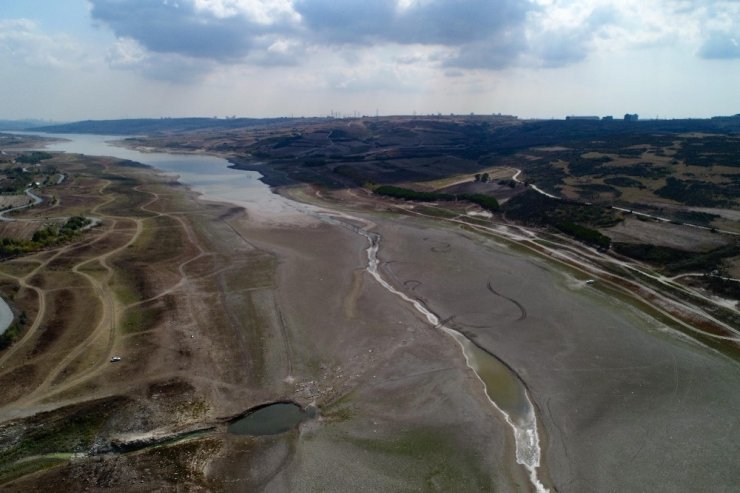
<point>103,338</point>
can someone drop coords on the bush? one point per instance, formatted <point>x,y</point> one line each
<point>408,194</point>
<point>485,201</point>
<point>584,234</point>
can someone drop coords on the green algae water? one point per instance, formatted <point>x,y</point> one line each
<point>272,419</point>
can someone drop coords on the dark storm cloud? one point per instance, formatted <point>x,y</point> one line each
<point>437,22</point>
<point>350,21</point>
<point>487,34</point>
<point>176,27</point>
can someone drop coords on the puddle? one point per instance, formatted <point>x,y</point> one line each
<point>271,419</point>
<point>6,316</point>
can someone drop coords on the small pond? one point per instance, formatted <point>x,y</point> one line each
<point>6,316</point>
<point>271,419</point>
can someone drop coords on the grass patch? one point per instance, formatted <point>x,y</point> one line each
<point>20,469</point>
<point>144,317</point>
<point>446,469</point>
<point>129,283</point>
<point>72,429</point>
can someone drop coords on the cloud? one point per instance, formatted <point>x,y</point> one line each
<point>572,41</point>
<point>192,37</point>
<point>23,43</point>
<point>483,33</point>
<point>720,30</point>
<point>128,54</point>
<point>431,22</point>
<point>721,46</point>
<point>497,52</point>
<point>196,29</point>
<point>349,21</point>
<point>265,12</point>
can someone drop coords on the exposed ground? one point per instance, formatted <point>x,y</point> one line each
<point>215,309</point>
<point>212,313</point>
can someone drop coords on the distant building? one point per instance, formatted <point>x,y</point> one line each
<point>631,117</point>
<point>607,117</point>
<point>574,117</point>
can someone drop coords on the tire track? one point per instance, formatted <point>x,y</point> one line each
<point>522,310</point>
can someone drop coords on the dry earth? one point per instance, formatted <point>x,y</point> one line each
<point>213,312</point>
<point>215,309</point>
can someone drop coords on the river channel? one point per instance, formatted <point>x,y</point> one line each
<point>211,177</point>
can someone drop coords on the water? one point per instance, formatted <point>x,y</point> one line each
<point>6,316</point>
<point>270,420</point>
<point>208,175</point>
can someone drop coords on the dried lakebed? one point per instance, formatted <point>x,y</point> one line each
<point>212,177</point>
<point>609,385</point>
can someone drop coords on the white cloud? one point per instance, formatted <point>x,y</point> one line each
<point>259,11</point>
<point>23,43</point>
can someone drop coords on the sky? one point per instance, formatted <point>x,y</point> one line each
<point>103,59</point>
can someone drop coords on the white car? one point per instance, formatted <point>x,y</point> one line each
<point>590,281</point>
<point>115,359</point>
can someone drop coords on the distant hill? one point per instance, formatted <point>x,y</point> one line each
<point>152,125</point>
<point>22,124</point>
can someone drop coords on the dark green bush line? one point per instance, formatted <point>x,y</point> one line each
<point>584,234</point>
<point>34,157</point>
<point>485,201</point>
<point>534,208</point>
<point>723,287</point>
<point>624,181</point>
<point>12,332</point>
<point>693,192</point>
<point>49,236</point>
<point>677,261</point>
<point>408,194</point>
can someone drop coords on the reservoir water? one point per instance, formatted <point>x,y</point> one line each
<point>207,175</point>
